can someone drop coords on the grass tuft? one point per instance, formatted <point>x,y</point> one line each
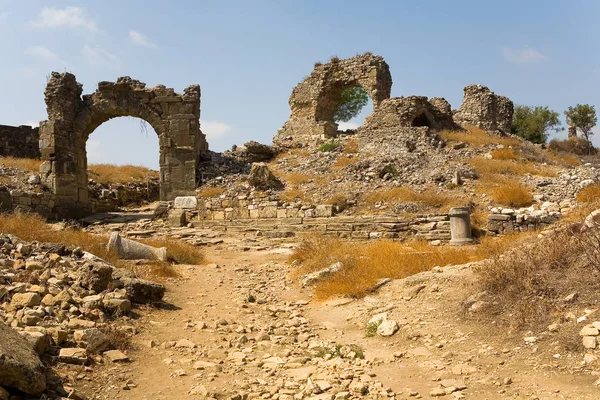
<point>351,146</point>
<point>477,137</point>
<point>399,195</point>
<point>329,146</point>
<point>504,154</point>
<point>512,194</point>
<point>210,191</point>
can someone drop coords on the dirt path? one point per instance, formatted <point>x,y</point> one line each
<point>241,329</point>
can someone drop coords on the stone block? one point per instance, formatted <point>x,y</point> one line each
<point>185,202</point>
<point>324,211</point>
<point>177,218</point>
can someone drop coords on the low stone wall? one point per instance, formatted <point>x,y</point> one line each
<point>103,200</point>
<point>19,141</point>
<point>507,223</point>
<point>426,227</point>
<point>111,197</point>
<point>229,209</point>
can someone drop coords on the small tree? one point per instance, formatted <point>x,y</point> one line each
<point>583,117</point>
<point>535,123</point>
<point>352,100</point>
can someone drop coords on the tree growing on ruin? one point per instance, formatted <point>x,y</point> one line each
<point>535,123</point>
<point>352,100</point>
<point>583,118</point>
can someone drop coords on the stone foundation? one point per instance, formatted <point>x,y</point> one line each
<point>508,223</point>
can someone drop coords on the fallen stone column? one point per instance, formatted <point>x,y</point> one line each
<point>460,226</point>
<point>132,250</point>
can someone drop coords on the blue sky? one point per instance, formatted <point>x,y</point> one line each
<point>248,55</point>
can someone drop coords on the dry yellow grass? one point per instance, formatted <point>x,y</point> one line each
<point>342,162</point>
<point>177,251</point>
<point>210,191</point>
<point>589,194</point>
<point>428,197</point>
<point>27,164</point>
<point>294,178</point>
<point>504,154</point>
<point>478,137</point>
<point>512,194</point>
<point>486,166</point>
<point>351,146</point>
<point>293,194</point>
<point>32,227</point>
<point>366,264</point>
<point>565,159</point>
<point>109,173</point>
<point>338,199</point>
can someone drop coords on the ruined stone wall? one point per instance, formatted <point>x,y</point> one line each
<point>485,109</point>
<point>411,111</point>
<point>19,141</point>
<point>314,100</point>
<point>276,219</point>
<point>72,118</point>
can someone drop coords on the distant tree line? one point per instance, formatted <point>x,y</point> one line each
<point>536,123</point>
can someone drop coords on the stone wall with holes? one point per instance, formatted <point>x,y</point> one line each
<point>19,141</point>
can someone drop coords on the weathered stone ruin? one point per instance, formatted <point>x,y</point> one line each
<point>412,112</point>
<point>19,141</point>
<point>314,100</point>
<point>485,109</point>
<point>72,118</point>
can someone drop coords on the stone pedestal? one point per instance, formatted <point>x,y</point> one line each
<point>460,226</point>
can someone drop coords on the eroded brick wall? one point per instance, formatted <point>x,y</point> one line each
<point>19,141</point>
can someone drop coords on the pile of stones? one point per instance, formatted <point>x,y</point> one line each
<point>57,305</point>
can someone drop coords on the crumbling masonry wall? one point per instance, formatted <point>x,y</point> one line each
<point>19,141</point>
<point>72,118</point>
<point>314,100</point>
<point>412,111</point>
<point>485,109</point>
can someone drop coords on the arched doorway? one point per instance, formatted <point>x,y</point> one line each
<point>71,119</point>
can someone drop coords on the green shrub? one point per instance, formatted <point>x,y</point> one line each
<point>329,146</point>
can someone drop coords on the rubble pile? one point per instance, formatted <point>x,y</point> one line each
<point>61,300</point>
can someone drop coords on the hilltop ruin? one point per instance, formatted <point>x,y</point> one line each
<point>313,102</point>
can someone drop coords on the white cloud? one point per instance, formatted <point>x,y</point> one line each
<point>97,56</point>
<point>69,17</point>
<point>44,54</point>
<point>342,126</point>
<point>527,55</point>
<point>140,39</point>
<point>214,129</point>
<point>4,16</point>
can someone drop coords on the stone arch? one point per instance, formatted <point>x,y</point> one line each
<point>72,118</point>
<point>421,120</point>
<point>313,101</point>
